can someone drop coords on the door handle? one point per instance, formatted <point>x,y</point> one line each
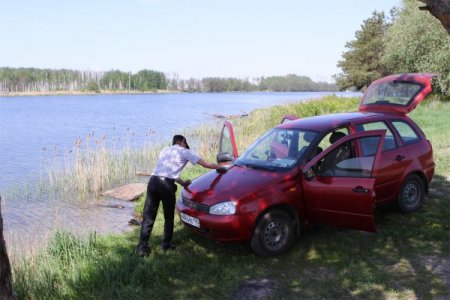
<point>400,157</point>
<point>360,189</point>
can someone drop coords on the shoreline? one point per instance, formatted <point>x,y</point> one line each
<point>111,92</point>
<point>87,93</point>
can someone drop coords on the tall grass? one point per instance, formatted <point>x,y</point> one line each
<point>52,272</point>
<point>93,166</point>
<point>405,260</point>
<point>433,118</point>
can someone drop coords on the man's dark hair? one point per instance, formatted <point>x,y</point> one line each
<point>179,138</point>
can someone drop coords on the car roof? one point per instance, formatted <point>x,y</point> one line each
<point>325,122</point>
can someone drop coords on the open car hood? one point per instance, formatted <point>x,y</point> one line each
<point>397,94</point>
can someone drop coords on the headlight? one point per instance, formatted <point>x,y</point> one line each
<point>223,208</point>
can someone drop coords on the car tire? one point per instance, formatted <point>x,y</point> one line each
<point>412,194</point>
<point>274,234</point>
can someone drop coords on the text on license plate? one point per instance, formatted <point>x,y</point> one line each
<point>190,220</point>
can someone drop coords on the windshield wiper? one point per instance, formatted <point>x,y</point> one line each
<point>259,167</point>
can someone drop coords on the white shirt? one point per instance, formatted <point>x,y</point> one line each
<point>172,160</point>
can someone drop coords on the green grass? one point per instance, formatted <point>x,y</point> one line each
<point>402,261</point>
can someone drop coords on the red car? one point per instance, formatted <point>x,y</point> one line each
<point>330,169</point>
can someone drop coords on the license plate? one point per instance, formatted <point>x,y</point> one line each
<point>190,220</point>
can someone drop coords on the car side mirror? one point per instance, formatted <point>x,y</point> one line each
<point>224,157</point>
<point>309,174</point>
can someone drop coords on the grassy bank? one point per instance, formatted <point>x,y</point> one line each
<point>404,260</point>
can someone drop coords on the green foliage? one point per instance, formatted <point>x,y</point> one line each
<point>293,83</point>
<point>413,42</point>
<point>150,80</point>
<point>217,84</point>
<point>41,80</point>
<point>45,80</point>
<point>288,83</point>
<point>361,64</point>
<point>21,80</point>
<point>93,87</point>
<point>416,42</point>
<point>116,80</point>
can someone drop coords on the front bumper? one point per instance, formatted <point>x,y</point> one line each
<point>235,227</point>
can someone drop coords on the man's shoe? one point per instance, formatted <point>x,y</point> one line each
<point>143,251</point>
<point>168,247</point>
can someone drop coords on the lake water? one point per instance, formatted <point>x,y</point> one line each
<point>35,129</point>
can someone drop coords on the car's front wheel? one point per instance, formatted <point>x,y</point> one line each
<point>274,234</point>
<point>411,194</point>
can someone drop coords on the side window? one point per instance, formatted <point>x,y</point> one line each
<point>406,132</point>
<point>369,146</point>
<point>328,140</point>
<point>344,162</point>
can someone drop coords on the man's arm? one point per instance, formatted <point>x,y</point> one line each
<point>208,165</point>
<point>183,182</point>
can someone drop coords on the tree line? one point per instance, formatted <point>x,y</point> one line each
<point>410,40</point>
<point>47,80</point>
<point>288,83</point>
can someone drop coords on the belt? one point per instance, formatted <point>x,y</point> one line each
<point>162,178</point>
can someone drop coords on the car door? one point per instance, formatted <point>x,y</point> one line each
<point>227,147</point>
<point>393,162</point>
<point>343,194</point>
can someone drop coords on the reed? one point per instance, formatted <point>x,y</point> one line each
<point>93,166</point>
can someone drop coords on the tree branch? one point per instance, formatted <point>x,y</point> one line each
<point>440,9</point>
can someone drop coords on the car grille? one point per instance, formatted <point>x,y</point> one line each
<point>195,205</point>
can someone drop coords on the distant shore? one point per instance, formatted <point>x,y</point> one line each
<point>69,93</point>
<point>123,92</point>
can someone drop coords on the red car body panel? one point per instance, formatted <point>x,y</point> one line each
<point>338,201</point>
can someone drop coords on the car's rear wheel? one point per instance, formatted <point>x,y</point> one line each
<point>411,194</point>
<point>274,234</point>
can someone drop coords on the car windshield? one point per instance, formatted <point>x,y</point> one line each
<point>391,92</point>
<point>278,149</point>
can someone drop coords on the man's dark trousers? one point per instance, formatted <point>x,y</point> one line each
<point>158,189</point>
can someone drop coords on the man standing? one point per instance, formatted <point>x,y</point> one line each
<point>162,186</point>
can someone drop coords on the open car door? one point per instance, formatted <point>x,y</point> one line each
<point>288,118</point>
<point>227,149</point>
<point>338,184</point>
<point>398,94</point>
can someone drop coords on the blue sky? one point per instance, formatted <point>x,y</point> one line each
<point>193,38</point>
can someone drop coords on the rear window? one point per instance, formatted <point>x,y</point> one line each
<point>391,92</point>
<point>406,132</point>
